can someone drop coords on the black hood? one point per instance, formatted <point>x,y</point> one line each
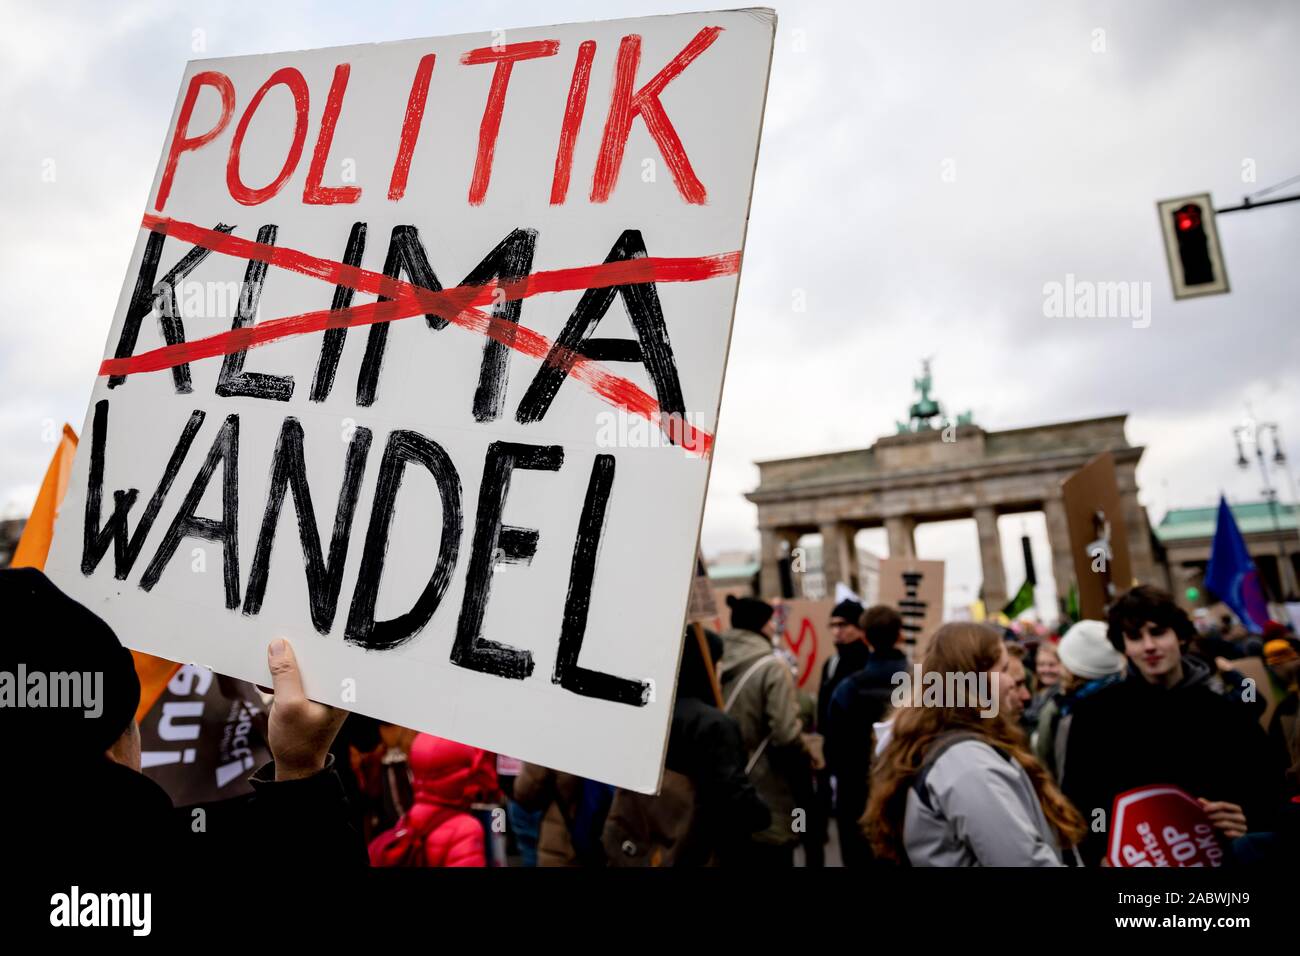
<point>1196,673</point>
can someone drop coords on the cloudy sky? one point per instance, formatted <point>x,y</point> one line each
<point>925,169</point>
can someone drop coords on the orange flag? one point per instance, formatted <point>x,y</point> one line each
<point>34,545</point>
<point>154,673</point>
<point>34,548</point>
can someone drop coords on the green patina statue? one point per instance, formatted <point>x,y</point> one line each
<point>926,409</point>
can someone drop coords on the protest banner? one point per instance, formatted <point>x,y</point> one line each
<point>1098,536</point>
<point>914,588</point>
<point>375,287</point>
<point>803,629</point>
<point>1161,826</point>
<point>204,737</point>
<point>703,606</point>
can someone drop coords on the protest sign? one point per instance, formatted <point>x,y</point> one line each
<point>1161,826</point>
<point>204,737</point>
<point>915,589</point>
<point>1098,536</point>
<point>703,606</point>
<point>803,629</point>
<point>460,306</point>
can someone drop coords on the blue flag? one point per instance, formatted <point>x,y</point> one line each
<point>1231,574</point>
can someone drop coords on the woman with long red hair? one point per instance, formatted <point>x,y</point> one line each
<point>956,784</point>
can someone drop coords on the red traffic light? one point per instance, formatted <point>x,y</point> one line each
<point>1189,217</point>
<point>1192,245</point>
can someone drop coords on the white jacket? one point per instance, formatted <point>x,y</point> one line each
<point>983,811</point>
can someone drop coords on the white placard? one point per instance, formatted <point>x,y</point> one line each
<point>554,217</point>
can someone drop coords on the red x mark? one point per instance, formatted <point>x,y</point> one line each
<point>458,305</point>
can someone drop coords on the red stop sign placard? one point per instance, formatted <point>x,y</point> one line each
<point>1161,826</point>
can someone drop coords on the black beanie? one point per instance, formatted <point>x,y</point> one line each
<point>749,614</point>
<point>848,610</point>
<point>45,632</point>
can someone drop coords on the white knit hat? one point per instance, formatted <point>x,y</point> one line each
<point>1087,652</point>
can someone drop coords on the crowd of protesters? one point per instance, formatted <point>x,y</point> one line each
<point>755,772</point>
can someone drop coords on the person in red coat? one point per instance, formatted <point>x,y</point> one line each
<point>439,830</point>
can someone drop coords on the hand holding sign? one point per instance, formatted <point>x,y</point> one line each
<point>1164,826</point>
<point>300,730</point>
<point>1228,818</point>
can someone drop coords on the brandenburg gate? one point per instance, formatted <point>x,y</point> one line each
<point>938,469</point>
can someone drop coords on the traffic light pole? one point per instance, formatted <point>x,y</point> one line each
<point>1256,205</point>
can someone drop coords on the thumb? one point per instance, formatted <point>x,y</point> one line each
<point>286,679</point>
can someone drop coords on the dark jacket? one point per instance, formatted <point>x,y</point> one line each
<point>1135,734</point>
<point>1051,738</point>
<point>705,745</point>
<point>860,700</point>
<point>106,814</point>
<point>848,660</point>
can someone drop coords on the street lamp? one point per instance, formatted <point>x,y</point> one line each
<point>1251,433</point>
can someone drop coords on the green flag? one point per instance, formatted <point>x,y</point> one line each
<point>1072,604</point>
<point>1022,602</point>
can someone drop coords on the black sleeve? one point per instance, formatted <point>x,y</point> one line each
<point>299,823</point>
<point>1084,781</point>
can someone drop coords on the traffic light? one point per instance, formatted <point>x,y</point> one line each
<point>1193,248</point>
<point>1192,245</point>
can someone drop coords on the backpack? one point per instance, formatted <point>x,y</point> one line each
<point>406,848</point>
<point>937,750</point>
<point>652,830</point>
